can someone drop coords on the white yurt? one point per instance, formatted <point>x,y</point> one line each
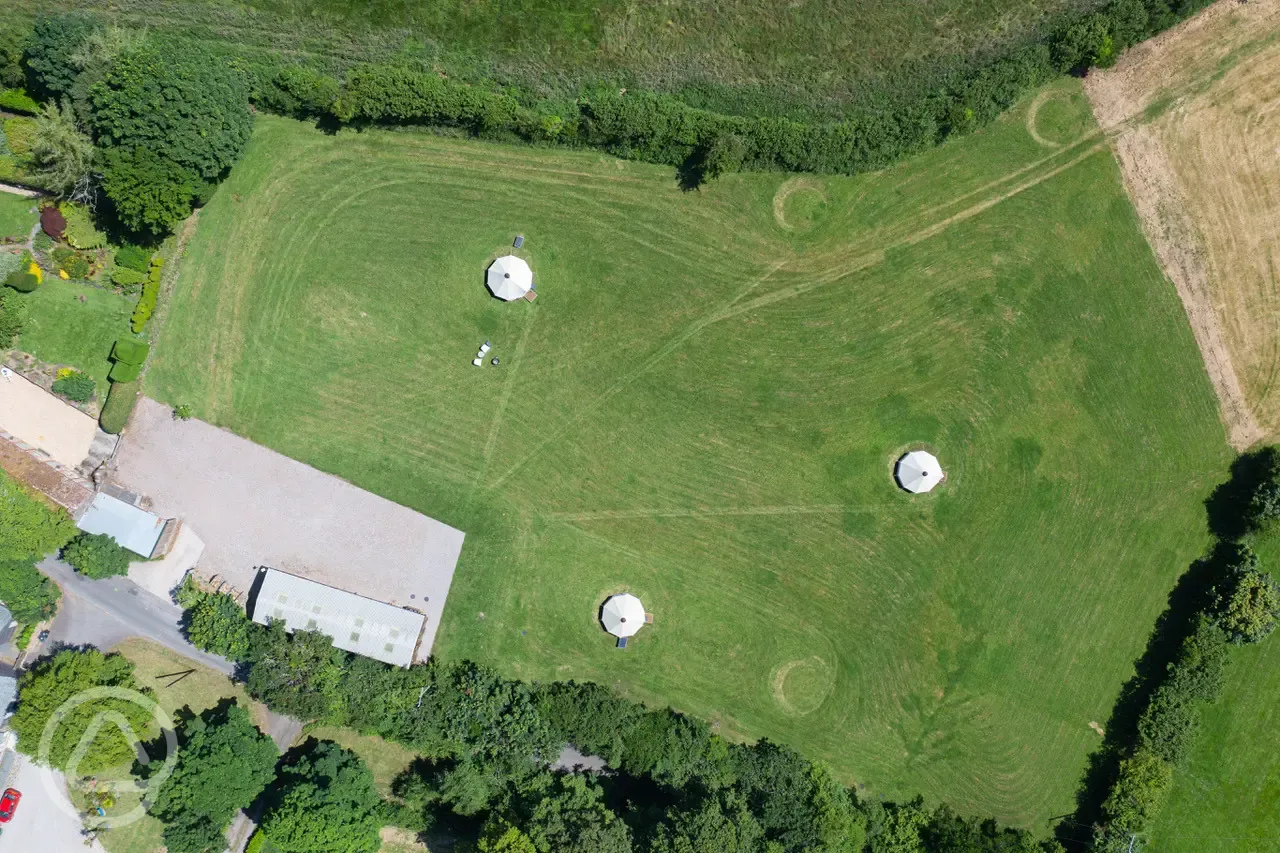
<point>622,615</point>
<point>918,471</point>
<point>509,278</point>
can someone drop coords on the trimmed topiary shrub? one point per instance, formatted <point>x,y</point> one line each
<point>13,317</point>
<point>96,555</point>
<point>18,101</point>
<point>133,257</point>
<point>130,351</point>
<point>121,372</point>
<point>22,281</point>
<point>80,231</point>
<point>52,222</point>
<point>74,385</point>
<point>150,293</point>
<point>21,135</point>
<point>119,406</point>
<point>127,279</point>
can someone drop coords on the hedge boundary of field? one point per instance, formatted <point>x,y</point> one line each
<point>661,128</point>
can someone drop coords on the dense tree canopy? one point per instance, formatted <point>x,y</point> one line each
<point>54,41</point>
<point>44,689</point>
<point>224,763</point>
<point>295,674</point>
<point>194,834</point>
<point>720,824</point>
<point>1250,608</point>
<point>215,623</point>
<point>96,555</point>
<point>180,104</point>
<point>31,527</point>
<point>29,595</point>
<point>571,817</point>
<point>326,802</point>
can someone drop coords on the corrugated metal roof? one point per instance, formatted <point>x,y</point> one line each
<point>357,624</point>
<point>132,528</point>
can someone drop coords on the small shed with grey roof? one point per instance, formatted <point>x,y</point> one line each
<point>130,526</point>
<point>357,624</point>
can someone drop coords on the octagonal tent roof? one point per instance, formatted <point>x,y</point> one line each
<point>509,278</point>
<point>918,471</point>
<point>622,615</point>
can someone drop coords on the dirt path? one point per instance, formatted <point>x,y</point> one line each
<point>1190,114</point>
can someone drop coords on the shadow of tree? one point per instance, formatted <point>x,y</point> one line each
<point>1228,520</point>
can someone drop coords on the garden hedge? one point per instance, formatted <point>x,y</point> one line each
<point>18,101</point>
<point>150,293</point>
<point>121,372</point>
<point>121,399</point>
<point>130,351</point>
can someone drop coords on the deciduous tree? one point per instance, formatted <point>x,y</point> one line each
<point>120,723</point>
<point>327,802</point>
<point>96,555</point>
<point>31,528</point>
<point>224,763</point>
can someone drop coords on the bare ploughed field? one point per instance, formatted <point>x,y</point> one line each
<point>1194,117</point>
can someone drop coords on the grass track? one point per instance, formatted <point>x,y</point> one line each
<point>703,407</point>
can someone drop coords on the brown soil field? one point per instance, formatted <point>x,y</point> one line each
<point>1194,119</point>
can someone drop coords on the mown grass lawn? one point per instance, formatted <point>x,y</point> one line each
<point>703,407</point>
<point>16,215</point>
<point>62,329</point>
<point>1226,799</point>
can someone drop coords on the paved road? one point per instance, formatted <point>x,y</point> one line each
<point>104,612</point>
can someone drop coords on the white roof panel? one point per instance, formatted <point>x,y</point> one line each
<point>357,624</point>
<point>132,528</point>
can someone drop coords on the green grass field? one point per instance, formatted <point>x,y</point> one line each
<point>16,216</point>
<point>64,330</point>
<point>704,405</point>
<point>738,56</point>
<point>1226,799</point>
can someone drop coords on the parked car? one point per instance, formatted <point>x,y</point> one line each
<point>9,804</point>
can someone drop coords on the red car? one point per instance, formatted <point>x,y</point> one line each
<point>9,804</point>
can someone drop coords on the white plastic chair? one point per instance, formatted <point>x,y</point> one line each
<point>477,362</point>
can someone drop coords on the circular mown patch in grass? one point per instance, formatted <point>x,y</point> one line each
<point>801,686</point>
<point>799,205</point>
<point>1058,117</point>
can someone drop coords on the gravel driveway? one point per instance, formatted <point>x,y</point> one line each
<point>254,507</point>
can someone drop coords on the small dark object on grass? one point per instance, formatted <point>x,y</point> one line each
<point>519,241</point>
<point>495,360</point>
<point>622,643</point>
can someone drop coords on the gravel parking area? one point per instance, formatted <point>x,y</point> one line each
<point>254,507</point>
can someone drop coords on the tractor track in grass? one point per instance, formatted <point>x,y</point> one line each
<point>821,278</point>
